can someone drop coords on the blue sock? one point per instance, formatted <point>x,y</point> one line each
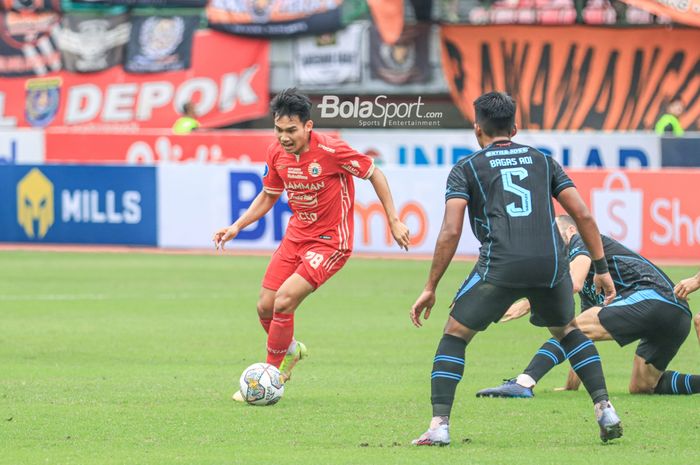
<point>550,355</point>
<point>585,361</point>
<point>448,367</point>
<point>672,382</point>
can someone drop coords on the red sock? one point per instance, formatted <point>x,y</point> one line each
<point>266,322</point>
<point>279,337</point>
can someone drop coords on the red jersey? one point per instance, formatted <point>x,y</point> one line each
<point>320,188</point>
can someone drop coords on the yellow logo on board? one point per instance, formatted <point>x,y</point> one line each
<point>35,203</point>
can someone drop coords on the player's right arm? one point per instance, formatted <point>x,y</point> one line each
<point>445,248</point>
<point>571,200</point>
<point>687,286</point>
<point>456,198</point>
<point>259,208</point>
<point>578,269</point>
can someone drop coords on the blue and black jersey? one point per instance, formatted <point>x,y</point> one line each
<point>509,189</point>
<point>635,277</point>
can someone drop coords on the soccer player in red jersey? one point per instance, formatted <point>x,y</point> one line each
<point>316,171</point>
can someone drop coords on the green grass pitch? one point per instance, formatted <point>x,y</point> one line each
<point>132,359</point>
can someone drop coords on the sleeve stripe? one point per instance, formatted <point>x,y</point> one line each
<point>271,190</point>
<point>456,194</point>
<point>563,184</point>
<point>580,252</point>
<point>370,171</point>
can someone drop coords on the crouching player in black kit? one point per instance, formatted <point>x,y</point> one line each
<point>645,309</point>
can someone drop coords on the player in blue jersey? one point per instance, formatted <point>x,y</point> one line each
<point>508,189</point>
<point>645,309</point>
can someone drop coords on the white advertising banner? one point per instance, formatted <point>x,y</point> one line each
<point>196,200</point>
<point>423,148</point>
<point>651,211</point>
<point>22,147</point>
<point>419,196</point>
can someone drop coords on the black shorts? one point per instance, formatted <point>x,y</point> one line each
<point>660,325</point>
<point>478,303</point>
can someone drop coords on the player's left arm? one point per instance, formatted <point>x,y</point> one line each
<point>398,229</point>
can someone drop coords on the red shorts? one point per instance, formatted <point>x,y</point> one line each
<point>315,261</point>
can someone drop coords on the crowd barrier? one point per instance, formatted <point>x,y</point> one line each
<point>414,148</point>
<point>180,206</point>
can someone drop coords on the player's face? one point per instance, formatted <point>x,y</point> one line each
<point>292,134</point>
<point>566,231</point>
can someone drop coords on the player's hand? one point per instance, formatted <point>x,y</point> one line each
<point>604,283</point>
<point>223,235</point>
<point>687,286</point>
<point>401,234</point>
<point>425,302</point>
<point>517,310</point>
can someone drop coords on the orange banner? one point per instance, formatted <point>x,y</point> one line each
<point>681,11</point>
<point>576,77</point>
<point>655,213</point>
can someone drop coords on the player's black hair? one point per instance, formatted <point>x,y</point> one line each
<point>290,102</point>
<point>495,113</point>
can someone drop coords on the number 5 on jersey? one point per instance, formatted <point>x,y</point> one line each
<point>314,259</point>
<point>507,175</point>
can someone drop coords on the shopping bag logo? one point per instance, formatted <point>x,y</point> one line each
<point>618,210</point>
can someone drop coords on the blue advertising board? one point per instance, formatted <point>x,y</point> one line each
<point>78,204</point>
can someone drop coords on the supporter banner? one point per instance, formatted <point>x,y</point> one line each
<point>655,213</point>
<point>30,5</point>
<point>149,147</point>
<point>330,59</point>
<point>160,42</point>
<point>353,10</point>
<point>225,91</point>
<point>388,19</point>
<point>684,11</point>
<point>26,45</point>
<point>144,3</point>
<point>405,61</point>
<point>425,148</point>
<point>275,17</point>
<point>574,77</point>
<point>92,41</point>
<point>78,204</point>
<point>21,146</point>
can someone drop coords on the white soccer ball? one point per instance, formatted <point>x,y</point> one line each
<point>261,385</point>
